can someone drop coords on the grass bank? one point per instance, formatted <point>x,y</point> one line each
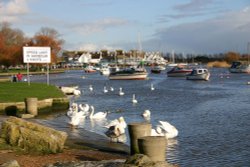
<point>18,91</point>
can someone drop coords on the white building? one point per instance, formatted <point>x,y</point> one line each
<point>87,58</point>
<point>154,57</point>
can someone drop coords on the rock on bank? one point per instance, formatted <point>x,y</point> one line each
<point>32,137</point>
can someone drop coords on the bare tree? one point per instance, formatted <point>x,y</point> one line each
<point>48,37</point>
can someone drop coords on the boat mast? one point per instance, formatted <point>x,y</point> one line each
<point>173,57</point>
<point>248,52</point>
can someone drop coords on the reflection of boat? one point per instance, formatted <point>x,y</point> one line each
<point>179,71</point>
<point>129,74</point>
<point>238,67</point>
<point>199,74</point>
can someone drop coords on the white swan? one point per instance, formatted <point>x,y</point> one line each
<point>77,92</point>
<point>121,93</point>
<point>157,131</point>
<point>68,90</point>
<point>168,130</point>
<point>146,114</point>
<point>152,87</point>
<point>77,117</point>
<point>114,122</point>
<point>74,121</point>
<point>73,109</point>
<point>116,133</point>
<point>105,90</point>
<point>111,89</point>
<point>84,108</point>
<point>98,115</point>
<point>91,88</point>
<point>134,99</point>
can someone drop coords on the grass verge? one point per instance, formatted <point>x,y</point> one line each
<point>18,91</point>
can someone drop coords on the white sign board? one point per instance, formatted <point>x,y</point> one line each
<point>36,55</point>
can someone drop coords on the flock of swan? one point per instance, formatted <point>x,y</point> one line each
<point>116,128</point>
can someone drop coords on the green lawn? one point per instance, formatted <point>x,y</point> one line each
<point>18,91</point>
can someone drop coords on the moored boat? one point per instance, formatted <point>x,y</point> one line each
<point>239,67</point>
<point>156,70</point>
<point>89,69</point>
<point>105,70</point>
<point>179,71</point>
<point>199,74</point>
<point>128,74</point>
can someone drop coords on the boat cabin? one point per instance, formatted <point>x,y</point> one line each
<point>199,71</point>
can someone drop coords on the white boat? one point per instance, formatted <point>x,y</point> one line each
<point>105,70</point>
<point>89,69</point>
<point>238,67</point>
<point>199,74</point>
<point>129,74</point>
<point>172,64</point>
<point>157,68</point>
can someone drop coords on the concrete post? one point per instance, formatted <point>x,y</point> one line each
<point>154,147</point>
<point>137,130</point>
<point>31,105</point>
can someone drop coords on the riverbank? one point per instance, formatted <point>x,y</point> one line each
<point>91,147</point>
<point>7,76</point>
<point>68,155</point>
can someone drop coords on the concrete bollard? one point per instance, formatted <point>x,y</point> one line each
<point>137,130</point>
<point>31,105</point>
<point>154,147</point>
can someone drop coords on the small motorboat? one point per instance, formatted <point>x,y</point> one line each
<point>129,74</point>
<point>89,69</point>
<point>199,74</point>
<point>239,67</point>
<point>105,70</point>
<point>157,69</point>
<point>179,71</point>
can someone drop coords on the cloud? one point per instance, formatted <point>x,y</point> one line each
<point>229,31</point>
<point>98,26</point>
<point>91,47</point>
<point>193,5</point>
<point>88,47</point>
<point>12,9</point>
<point>194,8</point>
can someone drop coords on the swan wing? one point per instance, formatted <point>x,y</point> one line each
<point>170,130</point>
<point>112,123</point>
<point>84,107</point>
<point>100,115</point>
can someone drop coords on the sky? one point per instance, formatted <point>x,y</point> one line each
<point>182,26</point>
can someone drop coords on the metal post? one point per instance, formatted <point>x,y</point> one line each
<point>47,74</point>
<point>28,73</point>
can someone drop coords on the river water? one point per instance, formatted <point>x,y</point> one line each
<point>212,117</point>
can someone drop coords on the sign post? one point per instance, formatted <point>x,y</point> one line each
<point>37,55</point>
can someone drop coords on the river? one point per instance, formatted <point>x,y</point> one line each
<point>212,117</point>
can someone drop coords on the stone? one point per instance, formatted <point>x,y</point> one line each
<point>138,159</point>
<point>32,137</point>
<point>141,160</point>
<point>12,163</point>
<point>26,116</point>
